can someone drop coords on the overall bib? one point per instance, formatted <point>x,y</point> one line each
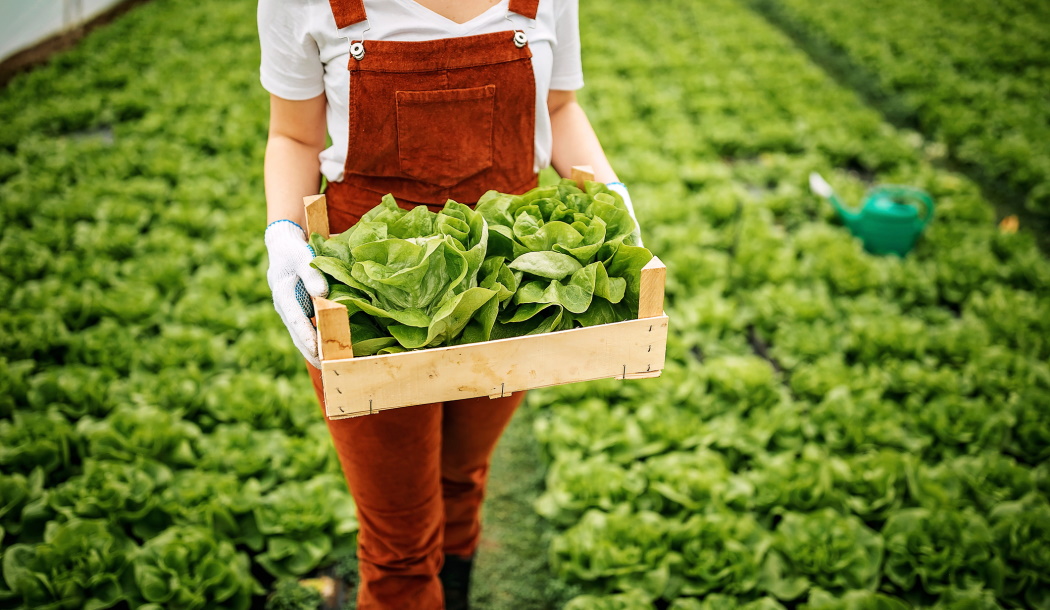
<point>429,121</point>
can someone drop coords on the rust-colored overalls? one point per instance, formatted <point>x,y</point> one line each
<point>429,121</point>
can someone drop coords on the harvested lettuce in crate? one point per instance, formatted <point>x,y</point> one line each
<point>554,258</point>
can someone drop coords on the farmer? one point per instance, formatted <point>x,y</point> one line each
<point>428,100</point>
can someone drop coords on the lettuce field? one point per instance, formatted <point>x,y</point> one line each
<point>832,429</point>
<point>972,73</point>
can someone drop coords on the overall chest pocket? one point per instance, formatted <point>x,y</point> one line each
<point>445,136</point>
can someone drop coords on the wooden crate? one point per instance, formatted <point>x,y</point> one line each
<point>633,349</point>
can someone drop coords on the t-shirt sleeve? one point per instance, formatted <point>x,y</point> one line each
<point>567,71</point>
<point>291,65</point>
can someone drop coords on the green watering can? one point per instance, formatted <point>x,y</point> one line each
<point>890,220</point>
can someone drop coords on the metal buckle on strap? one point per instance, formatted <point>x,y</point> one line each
<point>357,49</point>
<point>520,39</point>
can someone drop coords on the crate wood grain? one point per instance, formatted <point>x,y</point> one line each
<point>634,349</point>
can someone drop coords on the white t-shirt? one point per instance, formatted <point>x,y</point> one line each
<point>304,54</point>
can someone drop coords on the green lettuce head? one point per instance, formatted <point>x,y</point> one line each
<point>554,258</point>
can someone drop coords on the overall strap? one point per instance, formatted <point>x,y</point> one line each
<point>349,12</point>
<point>525,8</point>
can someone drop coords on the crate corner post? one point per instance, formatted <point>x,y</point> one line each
<point>316,207</point>
<point>333,346</point>
<point>651,297</point>
<point>581,174</point>
<point>333,330</point>
<point>654,320</point>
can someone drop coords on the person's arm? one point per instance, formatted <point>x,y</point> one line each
<point>292,169</point>
<point>575,142</point>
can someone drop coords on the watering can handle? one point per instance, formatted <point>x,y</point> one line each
<point>926,201</point>
<point>901,193</point>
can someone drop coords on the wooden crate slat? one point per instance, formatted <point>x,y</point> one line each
<point>629,350</point>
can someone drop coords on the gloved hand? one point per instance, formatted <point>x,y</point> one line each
<point>293,281</point>
<point>619,188</point>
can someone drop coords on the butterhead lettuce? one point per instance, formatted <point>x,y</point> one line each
<point>554,258</point>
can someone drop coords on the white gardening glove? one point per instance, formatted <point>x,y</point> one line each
<point>293,281</point>
<point>619,188</point>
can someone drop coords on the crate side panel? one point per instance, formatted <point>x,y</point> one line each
<point>494,368</point>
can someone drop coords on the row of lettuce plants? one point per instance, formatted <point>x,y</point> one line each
<point>970,74</point>
<point>159,442</point>
<point>832,429</point>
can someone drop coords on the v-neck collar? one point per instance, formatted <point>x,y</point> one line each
<point>451,25</point>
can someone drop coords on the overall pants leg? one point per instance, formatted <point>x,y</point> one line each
<point>429,121</point>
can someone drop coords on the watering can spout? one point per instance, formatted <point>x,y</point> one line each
<point>823,189</point>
